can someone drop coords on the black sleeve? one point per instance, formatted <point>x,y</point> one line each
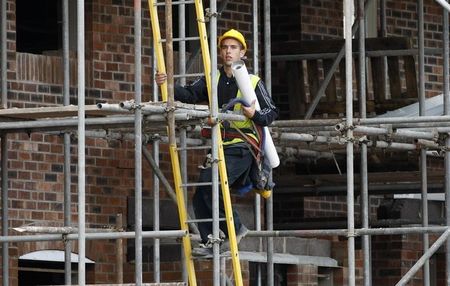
<point>268,112</point>
<point>193,93</point>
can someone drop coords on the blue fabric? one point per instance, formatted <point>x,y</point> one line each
<point>238,161</point>
<point>245,189</point>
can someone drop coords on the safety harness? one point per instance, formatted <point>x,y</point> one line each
<point>253,135</point>
<point>240,131</point>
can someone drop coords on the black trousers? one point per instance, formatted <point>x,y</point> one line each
<point>238,160</point>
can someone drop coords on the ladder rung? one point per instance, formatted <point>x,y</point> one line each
<point>176,3</point>
<point>210,256</point>
<point>204,220</point>
<point>188,75</point>
<point>197,184</point>
<point>194,148</point>
<point>182,39</point>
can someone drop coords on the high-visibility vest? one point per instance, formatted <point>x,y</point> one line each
<point>246,124</point>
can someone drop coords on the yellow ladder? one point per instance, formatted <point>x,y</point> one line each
<point>157,42</point>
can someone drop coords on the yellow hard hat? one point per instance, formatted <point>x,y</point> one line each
<point>234,35</point>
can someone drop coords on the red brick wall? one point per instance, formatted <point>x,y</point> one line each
<point>323,19</point>
<point>302,275</point>
<point>394,255</point>
<point>35,161</point>
<point>171,272</point>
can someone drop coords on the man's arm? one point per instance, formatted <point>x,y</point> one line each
<point>193,93</point>
<point>268,112</point>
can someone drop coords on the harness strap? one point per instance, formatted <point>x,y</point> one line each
<point>206,133</point>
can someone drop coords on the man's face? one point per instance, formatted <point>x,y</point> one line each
<point>231,51</point>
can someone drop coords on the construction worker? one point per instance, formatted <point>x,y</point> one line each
<point>238,156</point>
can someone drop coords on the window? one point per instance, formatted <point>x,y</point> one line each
<point>46,267</point>
<point>39,25</point>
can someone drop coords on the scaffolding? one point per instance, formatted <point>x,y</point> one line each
<point>135,116</point>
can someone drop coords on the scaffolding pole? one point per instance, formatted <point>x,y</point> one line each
<point>348,8</point>
<point>424,259</point>
<point>81,146</point>
<point>156,199</point>
<point>423,155</point>
<point>215,152</point>
<point>348,128</point>
<point>446,102</point>
<point>268,79</point>
<point>257,202</point>
<point>4,145</point>
<point>138,141</point>
<point>93,236</point>
<point>183,138</point>
<point>5,216</point>
<point>344,232</point>
<point>67,173</point>
<point>364,198</point>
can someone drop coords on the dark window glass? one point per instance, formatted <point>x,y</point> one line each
<point>38,26</point>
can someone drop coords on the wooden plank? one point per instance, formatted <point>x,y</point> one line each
<point>378,79</point>
<point>394,77</point>
<point>313,77</point>
<point>330,92</point>
<point>410,77</point>
<point>51,112</point>
<point>374,177</point>
<point>340,108</point>
<point>342,79</point>
<point>143,284</point>
<point>334,46</point>
<point>296,90</point>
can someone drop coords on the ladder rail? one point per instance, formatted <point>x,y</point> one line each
<point>221,162</point>
<point>182,211</point>
<point>206,58</point>
<point>157,44</point>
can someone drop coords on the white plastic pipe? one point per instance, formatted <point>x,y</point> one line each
<point>243,80</point>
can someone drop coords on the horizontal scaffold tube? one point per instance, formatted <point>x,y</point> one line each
<point>398,133</point>
<point>93,236</point>
<point>293,152</point>
<point>184,111</point>
<point>286,137</point>
<point>70,123</point>
<point>392,120</point>
<point>344,232</point>
<point>419,120</point>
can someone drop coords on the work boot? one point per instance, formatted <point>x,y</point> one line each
<point>242,232</point>
<point>202,250</point>
<point>263,193</point>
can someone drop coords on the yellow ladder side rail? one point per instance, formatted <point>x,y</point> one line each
<point>229,215</point>
<point>182,211</point>
<point>222,166</point>
<point>157,44</point>
<point>204,44</point>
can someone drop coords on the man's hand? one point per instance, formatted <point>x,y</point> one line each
<point>249,112</point>
<point>160,78</point>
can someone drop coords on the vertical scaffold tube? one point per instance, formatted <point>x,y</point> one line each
<point>363,156</point>
<point>423,155</point>
<point>445,52</point>
<point>67,175</point>
<point>81,147</point>
<point>4,145</point>
<point>348,15</point>
<point>138,142</point>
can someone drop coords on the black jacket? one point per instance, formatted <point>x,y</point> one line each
<point>227,90</point>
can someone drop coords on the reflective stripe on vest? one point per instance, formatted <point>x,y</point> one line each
<point>243,124</point>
